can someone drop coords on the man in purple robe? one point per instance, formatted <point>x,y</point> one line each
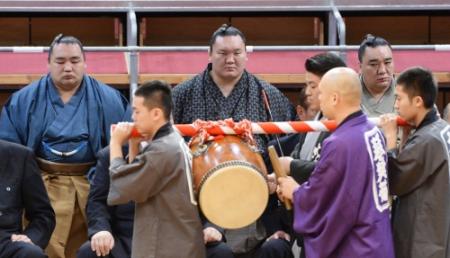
<point>343,208</point>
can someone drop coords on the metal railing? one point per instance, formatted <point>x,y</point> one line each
<point>340,48</point>
<point>132,41</point>
<point>336,24</point>
<point>217,5</point>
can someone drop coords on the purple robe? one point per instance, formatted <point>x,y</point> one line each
<point>343,209</point>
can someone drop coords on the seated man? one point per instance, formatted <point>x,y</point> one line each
<point>225,89</point>
<point>289,142</point>
<point>342,210</point>
<point>110,228</point>
<point>22,190</point>
<point>64,117</point>
<point>377,76</point>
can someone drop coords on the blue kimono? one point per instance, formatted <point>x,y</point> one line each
<point>35,116</point>
<point>64,135</point>
<point>343,209</point>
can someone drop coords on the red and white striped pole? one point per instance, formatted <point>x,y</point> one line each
<point>269,127</point>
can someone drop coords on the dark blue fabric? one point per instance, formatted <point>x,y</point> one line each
<point>21,249</point>
<point>22,192</point>
<point>116,219</point>
<point>66,127</point>
<point>36,113</point>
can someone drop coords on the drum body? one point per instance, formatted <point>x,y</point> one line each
<point>230,182</point>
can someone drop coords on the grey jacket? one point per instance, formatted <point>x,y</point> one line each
<point>167,223</point>
<point>419,176</point>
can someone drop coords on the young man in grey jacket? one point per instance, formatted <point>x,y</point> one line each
<point>418,170</point>
<point>158,179</point>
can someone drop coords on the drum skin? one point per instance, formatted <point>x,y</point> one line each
<point>230,182</point>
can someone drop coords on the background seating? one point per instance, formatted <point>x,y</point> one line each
<point>190,23</point>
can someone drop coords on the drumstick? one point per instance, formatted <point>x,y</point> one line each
<point>266,103</point>
<point>279,172</point>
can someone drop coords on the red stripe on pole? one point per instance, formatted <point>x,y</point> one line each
<point>270,128</point>
<point>267,128</point>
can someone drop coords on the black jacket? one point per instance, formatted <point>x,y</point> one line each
<point>300,169</point>
<point>277,217</point>
<point>22,190</point>
<point>118,219</point>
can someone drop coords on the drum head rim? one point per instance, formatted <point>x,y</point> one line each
<point>259,197</point>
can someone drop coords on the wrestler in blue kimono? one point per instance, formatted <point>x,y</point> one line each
<point>65,118</point>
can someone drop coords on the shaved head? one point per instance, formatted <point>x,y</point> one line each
<point>340,90</point>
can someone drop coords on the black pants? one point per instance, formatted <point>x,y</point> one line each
<point>275,248</point>
<point>85,251</point>
<point>218,250</point>
<point>19,249</point>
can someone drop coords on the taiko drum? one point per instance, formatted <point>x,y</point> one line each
<point>230,181</point>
